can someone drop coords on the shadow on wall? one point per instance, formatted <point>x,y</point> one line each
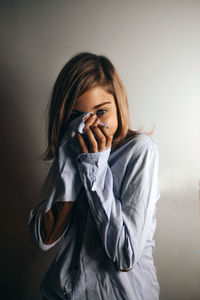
<point>22,263</point>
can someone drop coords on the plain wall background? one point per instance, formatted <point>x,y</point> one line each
<point>155,46</point>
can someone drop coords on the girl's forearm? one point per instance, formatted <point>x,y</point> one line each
<point>54,221</point>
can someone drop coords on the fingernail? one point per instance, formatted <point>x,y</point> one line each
<point>101,123</point>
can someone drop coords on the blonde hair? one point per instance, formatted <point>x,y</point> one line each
<point>82,72</point>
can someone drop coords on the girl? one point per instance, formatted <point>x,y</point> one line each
<point>99,197</point>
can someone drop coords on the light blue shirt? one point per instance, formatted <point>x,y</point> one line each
<point>106,250</point>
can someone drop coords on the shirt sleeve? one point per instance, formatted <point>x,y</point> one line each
<point>123,224</point>
<point>61,185</point>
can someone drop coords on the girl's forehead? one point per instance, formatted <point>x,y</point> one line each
<point>96,89</point>
<point>94,97</point>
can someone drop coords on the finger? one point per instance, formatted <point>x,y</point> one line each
<point>109,137</point>
<point>90,121</point>
<point>92,141</point>
<point>100,137</point>
<point>86,117</point>
<point>82,143</point>
<point>96,122</point>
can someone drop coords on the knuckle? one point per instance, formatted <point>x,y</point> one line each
<point>93,127</point>
<point>102,140</point>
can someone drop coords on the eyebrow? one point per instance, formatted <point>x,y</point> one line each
<point>96,106</point>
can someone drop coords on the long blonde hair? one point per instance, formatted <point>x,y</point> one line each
<point>82,72</point>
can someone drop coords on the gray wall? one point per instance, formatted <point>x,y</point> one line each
<point>155,46</point>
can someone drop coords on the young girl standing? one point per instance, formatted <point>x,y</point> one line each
<point>99,197</point>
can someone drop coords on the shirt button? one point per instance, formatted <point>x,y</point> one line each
<point>67,293</point>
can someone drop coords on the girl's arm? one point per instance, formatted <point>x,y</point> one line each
<point>49,220</point>
<point>123,223</point>
<point>55,221</point>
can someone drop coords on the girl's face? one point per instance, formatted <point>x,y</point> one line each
<point>101,103</point>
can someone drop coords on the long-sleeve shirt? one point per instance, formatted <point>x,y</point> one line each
<point>107,244</point>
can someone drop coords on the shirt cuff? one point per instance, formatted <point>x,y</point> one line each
<point>93,165</point>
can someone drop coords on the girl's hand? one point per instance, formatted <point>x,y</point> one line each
<point>98,136</point>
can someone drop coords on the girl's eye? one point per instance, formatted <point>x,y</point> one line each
<point>101,111</point>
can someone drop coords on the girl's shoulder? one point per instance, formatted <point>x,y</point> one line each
<point>133,147</point>
<point>138,143</point>
<point>143,140</point>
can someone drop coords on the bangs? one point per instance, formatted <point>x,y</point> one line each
<point>96,77</point>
